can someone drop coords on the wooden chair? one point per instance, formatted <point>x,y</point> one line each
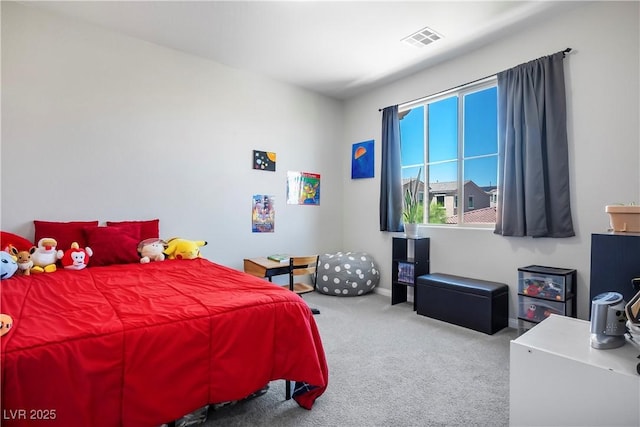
<point>299,267</point>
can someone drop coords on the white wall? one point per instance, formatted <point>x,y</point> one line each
<point>97,125</point>
<point>604,145</point>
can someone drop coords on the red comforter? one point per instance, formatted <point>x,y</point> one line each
<point>143,344</point>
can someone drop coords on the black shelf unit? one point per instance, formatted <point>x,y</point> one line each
<point>543,291</point>
<point>410,259</point>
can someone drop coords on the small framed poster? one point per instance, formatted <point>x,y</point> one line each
<point>303,188</point>
<point>263,214</point>
<point>362,160</point>
<point>264,160</point>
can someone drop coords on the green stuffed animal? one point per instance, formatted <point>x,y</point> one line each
<point>183,249</point>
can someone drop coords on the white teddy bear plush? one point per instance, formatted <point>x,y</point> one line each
<point>151,250</point>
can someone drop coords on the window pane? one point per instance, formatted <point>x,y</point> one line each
<point>443,130</point>
<point>443,172</point>
<point>480,189</point>
<point>412,137</point>
<point>412,172</point>
<point>443,191</point>
<point>481,123</point>
<point>483,171</point>
<point>409,176</point>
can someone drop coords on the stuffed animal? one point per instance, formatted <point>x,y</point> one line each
<point>152,250</point>
<point>45,256</point>
<point>183,249</point>
<point>8,265</point>
<point>75,258</point>
<point>11,249</point>
<point>6,322</point>
<point>531,311</point>
<point>532,288</point>
<point>23,258</point>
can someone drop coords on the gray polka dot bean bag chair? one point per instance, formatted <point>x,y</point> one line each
<point>347,274</point>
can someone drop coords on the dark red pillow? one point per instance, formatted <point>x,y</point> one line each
<point>149,229</point>
<point>113,245</point>
<point>65,233</point>
<point>19,242</point>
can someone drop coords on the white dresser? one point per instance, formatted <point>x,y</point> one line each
<point>558,379</point>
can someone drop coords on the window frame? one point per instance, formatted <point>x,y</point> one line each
<point>460,92</point>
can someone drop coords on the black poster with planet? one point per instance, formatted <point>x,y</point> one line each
<point>264,160</point>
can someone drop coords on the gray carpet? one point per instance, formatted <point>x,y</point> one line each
<point>390,367</point>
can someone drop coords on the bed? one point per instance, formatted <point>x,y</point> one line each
<point>144,344</point>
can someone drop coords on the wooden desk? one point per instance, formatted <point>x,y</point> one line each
<point>264,267</point>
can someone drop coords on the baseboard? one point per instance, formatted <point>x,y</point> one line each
<point>387,293</point>
<point>513,323</point>
<point>382,291</point>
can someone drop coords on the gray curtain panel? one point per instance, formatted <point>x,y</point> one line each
<point>533,166</point>
<point>390,174</point>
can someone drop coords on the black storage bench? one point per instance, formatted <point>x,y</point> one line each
<point>475,304</point>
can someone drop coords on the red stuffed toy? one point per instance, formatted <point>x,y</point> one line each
<point>75,258</point>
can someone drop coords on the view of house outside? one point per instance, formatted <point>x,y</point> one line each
<point>454,140</point>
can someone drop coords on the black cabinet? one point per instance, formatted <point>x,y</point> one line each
<point>410,259</point>
<point>615,260</point>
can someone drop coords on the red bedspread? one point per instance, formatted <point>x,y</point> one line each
<point>143,344</point>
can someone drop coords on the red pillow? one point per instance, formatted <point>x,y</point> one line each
<point>19,242</point>
<point>65,233</point>
<point>113,245</point>
<point>149,229</point>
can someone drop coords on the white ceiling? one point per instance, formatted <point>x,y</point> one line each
<point>338,48</point>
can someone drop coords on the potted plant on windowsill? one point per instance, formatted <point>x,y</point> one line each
<point>411,207</point>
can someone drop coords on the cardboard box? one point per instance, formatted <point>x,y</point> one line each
<point>624,218</point>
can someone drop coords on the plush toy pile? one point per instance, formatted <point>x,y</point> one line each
<point>21,257</point>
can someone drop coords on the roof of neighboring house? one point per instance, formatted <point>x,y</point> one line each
<point>405,181</point>
<point>484,215</point>
<point>490,188</point>
<point>443,187</point>
<point>449,187</point>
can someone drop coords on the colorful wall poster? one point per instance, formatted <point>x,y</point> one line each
<point>264,160</point>
<point>362,160</point>
<point>303,188</point>
<point>263,214</point>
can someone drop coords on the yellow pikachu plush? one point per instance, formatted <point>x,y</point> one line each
<point>183,249</point>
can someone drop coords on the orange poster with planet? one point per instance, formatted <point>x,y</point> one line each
<point>362,160</point>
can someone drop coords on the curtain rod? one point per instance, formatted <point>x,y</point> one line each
<point>564,53</point>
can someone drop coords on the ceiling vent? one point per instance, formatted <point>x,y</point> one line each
<point>422,37</point>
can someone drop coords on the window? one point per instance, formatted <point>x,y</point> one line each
<point>453,137</point>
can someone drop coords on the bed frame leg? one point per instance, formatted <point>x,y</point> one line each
<point>287,386</point>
